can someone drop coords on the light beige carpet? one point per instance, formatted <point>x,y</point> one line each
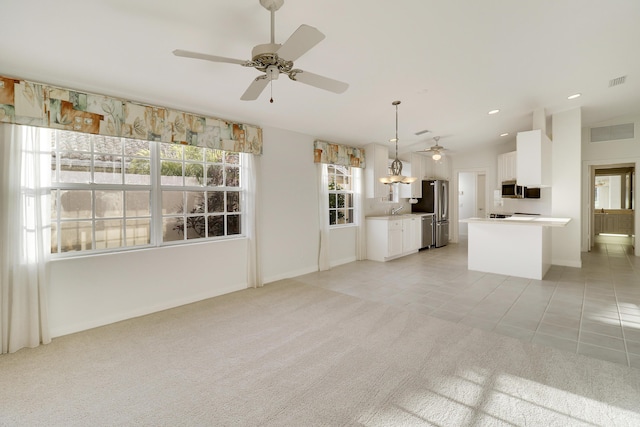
<point>291,354</point>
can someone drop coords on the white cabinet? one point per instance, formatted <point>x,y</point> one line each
<point>507,167</point>
<point>389,238</point>
<point>376,157</point>
<point>533,159</point>
<point>411,234</point>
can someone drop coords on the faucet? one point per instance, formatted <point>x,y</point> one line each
<point>396,210</point>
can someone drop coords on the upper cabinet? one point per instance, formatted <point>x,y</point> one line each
<point>533,159</point>
<point>507,167</point>
<point>377,157</point>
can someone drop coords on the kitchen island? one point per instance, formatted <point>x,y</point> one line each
<point>515,246</point>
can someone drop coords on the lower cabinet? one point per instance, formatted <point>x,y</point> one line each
<point>613,223</point>
<point>389,238</point>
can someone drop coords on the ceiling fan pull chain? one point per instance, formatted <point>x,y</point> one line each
<point>271,100</point>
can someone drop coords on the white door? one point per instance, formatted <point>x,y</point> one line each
<point>481,209</point>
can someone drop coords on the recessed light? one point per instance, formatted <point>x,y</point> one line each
<point>574,96</point>
<point>504,134</point>
<point>494,111</point>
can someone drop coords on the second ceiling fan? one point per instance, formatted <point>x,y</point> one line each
<point>436,151</point>
<point>274,59</point>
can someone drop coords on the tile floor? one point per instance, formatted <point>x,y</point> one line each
<point>593,310</point>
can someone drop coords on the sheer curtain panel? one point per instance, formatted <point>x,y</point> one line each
<point>25,210</point>
<point>254,270</point>
<point>323,216</point>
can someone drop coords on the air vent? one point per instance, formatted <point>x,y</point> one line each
<point>422,132</point>
<point>617,81</point>
<point>612,133</point>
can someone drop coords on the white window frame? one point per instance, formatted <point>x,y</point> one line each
<point>156,216</point>
<point>347,172</point>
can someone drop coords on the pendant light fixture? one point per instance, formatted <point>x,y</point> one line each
<point>395,174</point>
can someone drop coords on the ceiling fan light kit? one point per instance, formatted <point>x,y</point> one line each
<point>395,173</point>
<point>272,58</point>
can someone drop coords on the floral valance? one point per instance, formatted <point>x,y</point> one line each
<point>336,154</point>
<point>35,104</point>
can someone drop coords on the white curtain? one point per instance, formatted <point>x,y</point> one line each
<point>361,237</point>
<point>254,270</point>
<point>323,216</point>
<point>25,211</point>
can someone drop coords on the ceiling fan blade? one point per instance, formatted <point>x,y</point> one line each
<point>255,88</point>
<point>321,82</point>
<point>213,58</point>
<point>300,42</point>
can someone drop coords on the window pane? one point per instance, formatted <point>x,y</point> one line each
<point>213,156</point>
<point>195,227</point>
<point>138,232</point>
<point>74,141</point>
<point>332,217</point>
<point>107,169</point>
<point>171,173</point>
<point>109,204</point>
<point>233,224</point>
<point>349,200</point>
<point>137,171</point>
<point>171,151</point>
<point>136,147</point>
<point>195,202</point>
<point>138,203</point>
<point>75,236</point>
<point>342,216</point>
<point>75,204</point>
<point>350,216</point>
<point>216,201</point>
<point>216,225</point>
<point>109,234</point>
<point>233,176</point>
<point>332,200</point>
<point>193,153</point>
<point>54,205</point>
<point>232,158</point>
<point>193,174</point>
<point>172,202</point>
<point>172,229</point>
<point>54,238</point>
<point>107,144</point>
<point>233,201</point>
<point>340,200</point>
<point>75,167</point>
<point>215,176</point>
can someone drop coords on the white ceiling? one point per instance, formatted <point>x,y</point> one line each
<point>449,62</point>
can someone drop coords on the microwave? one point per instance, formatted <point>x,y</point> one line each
<point>511,190</point>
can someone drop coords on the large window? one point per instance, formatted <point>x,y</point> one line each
<point>341,209</point>
<point>114,193</point>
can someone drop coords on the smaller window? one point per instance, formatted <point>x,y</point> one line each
<point>341,209</point>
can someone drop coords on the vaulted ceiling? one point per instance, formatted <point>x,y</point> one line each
<point>449,62</point>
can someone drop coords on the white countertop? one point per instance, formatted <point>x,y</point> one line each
<point>398,216</point>
<point>540,221</point>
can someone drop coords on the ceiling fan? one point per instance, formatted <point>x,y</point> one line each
<point>274,59</point>
<point>436,150</point>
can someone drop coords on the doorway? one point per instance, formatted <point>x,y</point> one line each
<point>471,197</point>
<point>612,204</point>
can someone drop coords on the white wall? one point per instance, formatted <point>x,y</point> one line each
<point>566,180</point>
<point>342,245</point>
<point>289,224</point>
<point>96,290</point>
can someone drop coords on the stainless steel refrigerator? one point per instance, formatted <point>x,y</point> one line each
<point>435,199</point>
